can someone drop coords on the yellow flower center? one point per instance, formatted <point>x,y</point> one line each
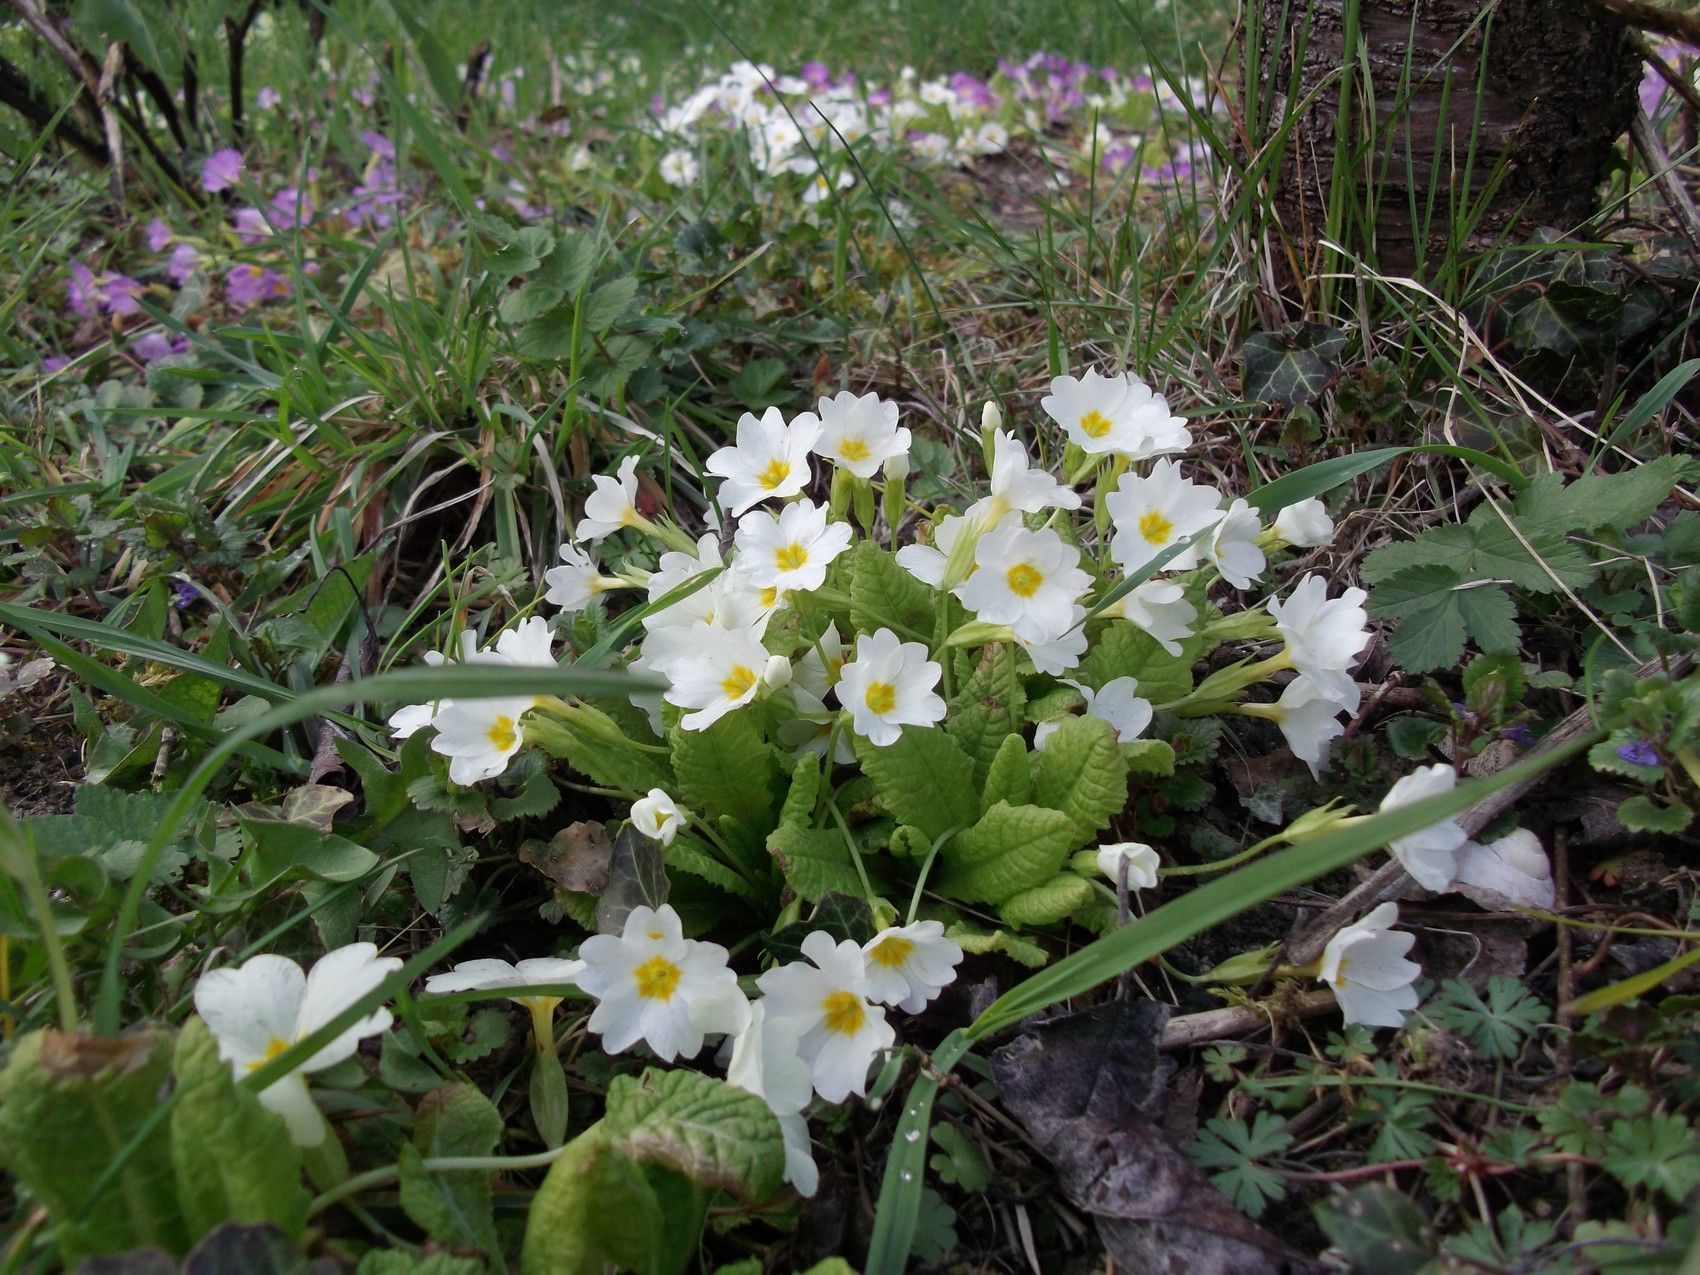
<point>1156,528</point>
<point>777,471</point>
<point>854,449</point>
<point>791,557</point>
<point>891,953</point>
<point>503,735</point>
<point>1024,579</point>
<point>657,979</point>
<point>881,697</point>
<point>275,1046</point>
<point>770,595</point>
<point>738,681</point>
<point>1095,424</point>
<point>843,1012</point>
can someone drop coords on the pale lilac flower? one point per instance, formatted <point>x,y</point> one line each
<point>183,263</point>
<point>221,170</point>
<point>248,285</point>
<point>159,235</point>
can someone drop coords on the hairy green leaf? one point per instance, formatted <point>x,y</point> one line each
<point>1081,772</point>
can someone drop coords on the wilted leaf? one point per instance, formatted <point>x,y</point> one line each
<point>637,877</point>
<point>577,858</point>
<point>711,1132</point>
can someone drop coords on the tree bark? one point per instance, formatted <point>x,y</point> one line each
<point>1537,91</point>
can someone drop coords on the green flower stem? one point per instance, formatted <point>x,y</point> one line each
<point>927,867</point>
<point>1222,865</point>
<point>326,1165</point>
<point>1218,692</point>
<point>17,856</point>
<point>1690,763</point>
<point>542,1011</point>
<point>445,1164</point>
<point>855,854</point>
<point>667,533</point>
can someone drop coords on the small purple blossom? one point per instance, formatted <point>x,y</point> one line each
<point>248,285</point>
<point>221,171</point>
<point>158,345</point>
<point>251,225</point>
<point>159,235</point>
<point>378,144</point>
<point>121,296</point>
<point>183,263</point>
<point>55,363</point>
<point>1522,735</point>
<point>816,75</point>
<point>1116,157</point>
<point>290,208</point>
<point>267,98</point>
<point>1638,752</point>
<point>82,292</point>
<point>183,594</point>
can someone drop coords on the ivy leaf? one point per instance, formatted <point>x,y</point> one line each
<point>1293,365</point>
<point>1010,849</point>
<point>537,796</point>
<point>1233,1147</point>
<point>1056,900</point>
<point>454,1208</point>
<point>1081,772</point>
<point>924,779</point>
<point>843,916</point>
<point>1378,1229</point>
<point>234,1160</point>
<point>1436,612</point>
<point>713,1133</point>
<point>637,877</point>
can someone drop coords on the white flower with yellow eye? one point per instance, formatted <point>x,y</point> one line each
<point>1017,487</point>
<point>715,671</point>
<point>1308,718</point>
<point>1365,965</point>
<point>860,433</point>
<point>1160,609</point>
<point>1116,702</point>
<point>259,1009</point>
<point>1025,579</point>
<point>678,168</point>
<point>887,686</point>
<point>789,553</point>
<point>817,672</point>
<point>656,816</point>
<point>840,1032</point>
<point>612,505</point>
<point>769,460</point>
<point>573,586</point>
<point>480,736</point>
<point>1323,635</point>
<point>1118,415</point>
<point>405,721</point>
<point>911,964</point>
<point>1152,512</point>
<point>1057,655</point>
<point>1232,546</point>
<point>653,984</point>
<point>674,570</point>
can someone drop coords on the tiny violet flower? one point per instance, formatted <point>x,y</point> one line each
<point>656,816</point>
<point>768,461</point>
<point>860,433</point>
<point>909,965</point>
<point>791,552</point>
<point>1305,525</point>
<point>840,1030</point>
<point>1116,702</point>
<point>247,285</point>
<point>221,170</point>
<point>1140,859</point>
<point>1365,966</point>
<point>655,985</point>
<point>261,1008</point>
<point>1431,855</point>
<point>158,235</point>
<point>1638,752</point>
<point>182,264</point>
<point>1117,415</point>
<point>887,686</point>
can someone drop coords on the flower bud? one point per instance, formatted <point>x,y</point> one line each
<point>777,675</point>
<point>896,468</point>
<point>1305,525</point>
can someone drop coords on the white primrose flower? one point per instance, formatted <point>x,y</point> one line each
<point>488,972</point>
<point>717,671</point>
<point>1305,525</point>
<point>911,964</point>
<point>860,433</point>
<point>789,553</point>
<point>1025,579</point>
<point>529,644</point>
<point>655,985</point>
<point>1141,860</point>
<point>678,168</point>
<point>1115,415</point>
<point>1309,719</point>
<point>572,586</point>
<point>612,505</point>
<point>1323,635</point>
<point>927,562</point>
<point>656,816</point>
<point>260,1008</point>
<point>479,736</point>
<point>1430,856</point>
<point>1512,872</point>
<point>817,672</point>
<point>1160,509</point>
<point>1160,609</point>
<point>769,460</point>
<point>1017,487</point>
<point>840,1031</point>
<point>1365,965</point>
<point>675,569</point>
<point>405,721</point>
<point>887,686</point>
<point>765,1062</point>
<point>1116,702</point>
<point>1057,655</point>
<point>1232,547</point>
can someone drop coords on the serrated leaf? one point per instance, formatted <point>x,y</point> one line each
<point>885,596</point>
<point>1081,772</point>
<point>234,1160</point>
<point>1022,951</point>
<point>595,1211</point>
<point>1436,612</point>
<point>987,708</point>
<point>538,796</point>
<point>453,1208</point>
<point>1641,813</point>
<point>1149,757</point>
<point>728,770</point>
<point>1123,650</point>
<point>685,855</point>
<point>814,861</point>
<point>1010,776</point>
<point>800,798</point>
<point>713,1133</point>
<point>608,303</point>
<point>924,780</point>
<point>551,335</point>
<point>526,302</point>
<point>1010,849</point>
<point>1056,900</point>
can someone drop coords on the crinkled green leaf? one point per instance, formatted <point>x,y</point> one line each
<point>689,855</point>
<point>234,1160</point>
<point>1010,776</point>
<point>885,596</point>
<point>814,861</point>
<point>1081,772</point>
<point>1641,813</point>
<point>713,1133</point>
<point>453,1208</point>
<point>1437,611</point>
<point>1056,900</point>
<point>728,769</point>
<point>972,939</point>
<point>1122,650</point>
<point>594,1211</point>
<point>987,708</point>
<point>924,780</point>
<point>800,798</point>
<point>1010,849</point>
